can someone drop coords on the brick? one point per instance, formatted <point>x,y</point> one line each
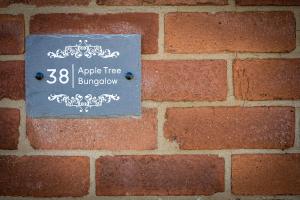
<point>39,3</point>
<point>106,133</point>
<point>266,174</point>
<point>267,79</point>
<point>230,31</point>
<point>9,126</point>
<point>44,176</point>
<point>159,175</point>
<point>12,80</point>
<point>161,2</point>
<point>268,2</point>
<point>231,127</point>
<point>4,3</point>
<point>184,80</point>
<point>145,24</point>
<point>11,34</point>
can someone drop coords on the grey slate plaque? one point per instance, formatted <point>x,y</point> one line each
<point>83,75</point>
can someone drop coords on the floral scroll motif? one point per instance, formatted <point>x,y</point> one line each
<point>83,49</point>
<point>84,103</point>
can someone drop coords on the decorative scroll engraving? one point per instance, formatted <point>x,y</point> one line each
<point>83,49</point>
<point>83,103</point>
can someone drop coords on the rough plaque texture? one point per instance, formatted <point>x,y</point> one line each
<point>268,2</point>
<point>229,31</point>
<point>12,80</point>
<point>161,2</point>
<point>106,133</point>
<point>44,176</point>
<point>9,128</point>
<point>231,127</point>
<point>159,175</point>
<point>267,79</point>
<point>5,3</point>
<point>11,34</point>
<point>184,80</point>
<point>145,24</point>
<point>272,174</point>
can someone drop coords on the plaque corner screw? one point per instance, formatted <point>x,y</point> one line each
<point>39,76</point>
<point>129,76</point>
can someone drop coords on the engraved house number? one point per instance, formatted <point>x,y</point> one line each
<point>63,76</point>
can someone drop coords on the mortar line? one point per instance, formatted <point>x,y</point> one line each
<point>24,144</point>
<point>92,189</point>
<point>11,57</point>
<point>92,8</point>
<point>162,143</point>
<point>238,103</point>
<point>98,153</point>
<point>230,86</point>
<point>8,103</point>
<point>297,128</point>
<point>227,175</point>
<point>27,24</point>
<point>200,56</point>
<point>161,35</point>
<point>160,123</point>
<point>270,197</point>
<point>188,197</point>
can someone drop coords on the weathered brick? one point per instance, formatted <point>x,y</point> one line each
<point>267,79</point>
<point>184,80</point>
<point>9,128</point>
<point>268,2</point>
<point>44,176</point>
<point>12,80</point>
<point>145,24</point>
<point>11,34</point>
<point>161,2</point>
<point>106,133</point>
<point>231,127</point>
<point>230,31</point>
<point>159,175</point>
<point>5,3</point>
<point>266,174</point>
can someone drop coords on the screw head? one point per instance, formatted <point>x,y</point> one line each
<point>129,76</point>
<point>39,76</point>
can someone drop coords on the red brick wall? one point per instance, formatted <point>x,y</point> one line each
<point>220,97</point>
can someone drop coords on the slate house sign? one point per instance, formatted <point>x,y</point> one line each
<point>83,75</point>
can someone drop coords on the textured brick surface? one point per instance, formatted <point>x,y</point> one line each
<point>9,128</point>
<point>267,2</point>
<point>107,133</point>
<point>229,31</point>
<point>11,34</point>
<point>159,175</point>
<point>145,24</point>
<point>267,79</point>
<point>5,3</point>
<point>184,80</point>
<point>231,127</point>
<point>12,80</point>
<point>271,174</point>
<point>161,2</point>
<point>44,176</point>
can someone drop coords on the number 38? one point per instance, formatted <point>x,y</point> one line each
<point>63,76</point>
